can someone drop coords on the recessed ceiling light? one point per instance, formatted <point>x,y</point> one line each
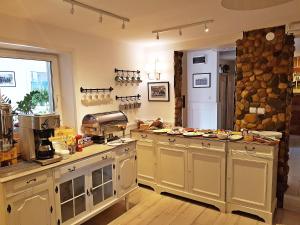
<point>251,4</point>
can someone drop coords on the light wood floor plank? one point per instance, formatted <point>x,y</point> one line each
<point>150,208</point>
<point>188,215</point>
<point>227,219</point>
<point>208,217</point>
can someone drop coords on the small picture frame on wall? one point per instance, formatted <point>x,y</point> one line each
<point>7,79</point>
<point>201,80</point>
<point>158,92</point>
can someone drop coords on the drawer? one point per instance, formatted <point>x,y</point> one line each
<point>207,144</point>
<point>142,136</point>
<point>257,149</point>
<point>24,183</point>
<point>82,164</point>
<point>127,149</point>
<point>171,140</point>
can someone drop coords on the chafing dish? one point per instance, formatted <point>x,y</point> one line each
<point>104,124</point>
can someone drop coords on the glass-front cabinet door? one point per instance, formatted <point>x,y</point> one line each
<point>72,198</point>
<point>102,183</point>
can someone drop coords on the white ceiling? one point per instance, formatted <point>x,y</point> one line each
<point>148,15</point>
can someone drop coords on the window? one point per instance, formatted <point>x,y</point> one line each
<point>23,73</point>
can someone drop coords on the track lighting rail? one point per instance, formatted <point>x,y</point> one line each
<point>97,10</point>
<point>180,27</point>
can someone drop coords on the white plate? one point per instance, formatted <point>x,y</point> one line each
<point>192,134</point>
<point>161,131</point>
<point>114,143</point>
<point>126,140</point>
<point>235,137</point>
<point>209,135</point>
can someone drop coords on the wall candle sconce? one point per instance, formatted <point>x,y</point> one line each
<point>155,75</point>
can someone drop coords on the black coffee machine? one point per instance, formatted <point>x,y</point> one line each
<point>35,131</point>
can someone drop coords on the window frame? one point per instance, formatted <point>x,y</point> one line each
<point>53,59</point>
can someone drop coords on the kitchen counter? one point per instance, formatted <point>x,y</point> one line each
<point>26,168</point>
<point>204,138</point>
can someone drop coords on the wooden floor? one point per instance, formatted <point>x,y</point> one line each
<point>148,207</point>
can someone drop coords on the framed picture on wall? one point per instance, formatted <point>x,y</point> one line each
<point>7,79</point>
<point>201,80</point>
<point>158,92</point>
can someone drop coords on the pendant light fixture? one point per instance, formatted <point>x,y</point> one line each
<point>72,9</point>
<point>180,32</point>
<point>180,27</point>
<point>157,36</point>
<point>206,29</point>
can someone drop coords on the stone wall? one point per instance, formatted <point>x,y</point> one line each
<point>178,87</point>
<point>264,79</point>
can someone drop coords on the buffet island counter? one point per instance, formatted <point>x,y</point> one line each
<point>230,175</point>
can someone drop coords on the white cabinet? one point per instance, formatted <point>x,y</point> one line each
<point>83,188</point>
<point>126,169</point>
<point>251,179</point>
<point>32,209</point>
<point>172,164</point>
<point>146,154</point>
<point>29,200</point>
<point>71,196</point>
<point>207,171</point>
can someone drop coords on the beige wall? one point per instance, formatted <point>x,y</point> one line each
<point>85,60</point>
<point>89,61</point>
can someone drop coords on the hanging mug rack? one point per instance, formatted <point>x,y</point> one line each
<point>85,90</point>
<point>129,102</point>
<point>129,97</point>
<point>127,76</point>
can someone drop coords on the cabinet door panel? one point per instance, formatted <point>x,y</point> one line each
<point>31,210</point>
<point>127,174</point>
<point>146,160</point>
<point>205,174</point>
<point>248,180</point>
<point>172,167</point>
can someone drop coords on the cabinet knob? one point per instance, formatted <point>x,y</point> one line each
<point>144,136</point>
<point>172,140</point>
<point>72,169</point>
<point>8,209</point>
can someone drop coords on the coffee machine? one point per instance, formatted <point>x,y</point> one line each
<point>35,131</point>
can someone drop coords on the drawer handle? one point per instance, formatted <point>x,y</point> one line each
<point>104,157</point>
<point>72,169</point>
<point>32,180</point>
<point>249,149</point>
<point>144,136</point>
<point>170,140</point>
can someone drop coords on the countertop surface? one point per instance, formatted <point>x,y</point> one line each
<point>24,168</point>
<point>204,138</point>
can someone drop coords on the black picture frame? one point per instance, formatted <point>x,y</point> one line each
<point>201,80</point>
<point>7,79</point>
<point>158,91</point>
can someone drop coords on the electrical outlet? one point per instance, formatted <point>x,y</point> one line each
<point>261,111</point>
<point>252,110</point>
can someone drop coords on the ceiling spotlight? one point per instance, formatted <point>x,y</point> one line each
<point>180,32</point>
<point>72,9</point>
<point>123,25</point>
<point>100,18</point>
<point>157,36</point>
<point>206,29</point>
